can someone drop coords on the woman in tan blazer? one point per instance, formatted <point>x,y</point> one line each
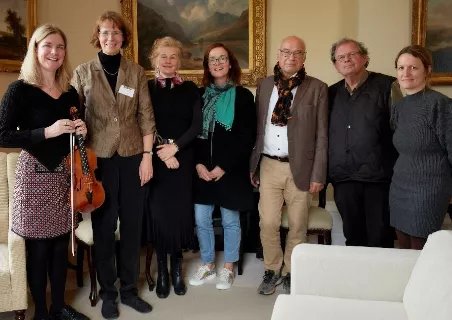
<point>118,112</point>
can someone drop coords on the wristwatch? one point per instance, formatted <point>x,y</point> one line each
<point>150,152</point>
<point>173,142</point>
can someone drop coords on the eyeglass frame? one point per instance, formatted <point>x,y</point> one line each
<point>113,34</point>
<point>217,60</point>
<point>350,55</point>
<point>286,53</point>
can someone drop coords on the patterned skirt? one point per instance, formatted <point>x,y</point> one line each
<point>41,208</point>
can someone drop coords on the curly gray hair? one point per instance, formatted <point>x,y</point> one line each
<point>362,48</point>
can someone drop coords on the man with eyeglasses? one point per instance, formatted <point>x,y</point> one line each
<point>290,156</point>
<point>361,153</point>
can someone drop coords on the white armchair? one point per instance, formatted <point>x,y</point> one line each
<point>13,278</point>
<point>333,282</point>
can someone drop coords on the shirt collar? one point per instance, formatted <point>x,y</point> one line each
<point>361,81</point>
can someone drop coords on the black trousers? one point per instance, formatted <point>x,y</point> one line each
<point>47,257</point>
<point>364,208</point>
<point>124,198</point>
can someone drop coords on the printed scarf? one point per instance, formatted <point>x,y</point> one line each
<point>219,102</point>
<point>176,80</point>
<point>281,113</point>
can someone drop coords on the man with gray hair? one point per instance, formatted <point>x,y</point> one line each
<point>361,155</point>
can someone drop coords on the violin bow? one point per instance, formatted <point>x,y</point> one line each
<point>72,144</point>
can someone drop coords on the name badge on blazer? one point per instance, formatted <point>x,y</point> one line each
<point>126,91</point>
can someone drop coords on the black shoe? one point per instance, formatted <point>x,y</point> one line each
<point>109,309</point>
<point>138,304</point>
<point>176,276</point>
<point>67,313</point>
<point>286,283</point>
<point>163,288</point>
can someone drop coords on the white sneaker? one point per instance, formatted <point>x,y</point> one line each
<point>203,274</point>
<point>225,279</point>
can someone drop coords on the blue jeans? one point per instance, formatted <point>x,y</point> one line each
<point>230,220</point>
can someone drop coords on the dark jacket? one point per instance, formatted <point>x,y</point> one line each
<point>360,136</point>
<point>230,150</point>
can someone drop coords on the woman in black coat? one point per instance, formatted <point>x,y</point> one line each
<point>222,161</point>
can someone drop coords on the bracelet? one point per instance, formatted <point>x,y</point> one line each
<point>150,152</point>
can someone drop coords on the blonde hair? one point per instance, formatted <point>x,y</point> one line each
<point>165,42</point>
<point>30,71</point>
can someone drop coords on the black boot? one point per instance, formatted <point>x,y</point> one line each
<point>163,288</point>
<point>176,276</point>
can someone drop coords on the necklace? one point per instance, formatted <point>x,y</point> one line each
<point>111,74</point>
<point>49,88</point>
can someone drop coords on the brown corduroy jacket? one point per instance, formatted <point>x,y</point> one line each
<point>307,131</point>
<point>115,122</point>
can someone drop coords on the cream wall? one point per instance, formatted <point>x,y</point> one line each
<point>383,25</point>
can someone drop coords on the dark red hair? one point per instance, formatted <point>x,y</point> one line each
<point>235,73</point>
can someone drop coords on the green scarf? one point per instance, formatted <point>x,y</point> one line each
<point>218,107</point>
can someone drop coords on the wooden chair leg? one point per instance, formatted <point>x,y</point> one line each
<point>240,262</point>
<point>92,275</point>
<point>196,243</point>
<point>79,267</point>
<point>327,236</point>
<point>244,230</point>
<point>19,315</point>
<point>322,197</point>
<point>118,255</point>
<point>149,252</point>
<point>283,236</point>
<point>320,239</point>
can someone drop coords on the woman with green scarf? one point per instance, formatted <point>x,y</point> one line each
<point>222,157</point>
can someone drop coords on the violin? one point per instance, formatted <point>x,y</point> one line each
<point>87,193</point>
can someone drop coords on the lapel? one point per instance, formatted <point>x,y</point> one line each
<point>100,75</point>
<point>267,90</point>
<point>121,75</point>
<point>299,94</point>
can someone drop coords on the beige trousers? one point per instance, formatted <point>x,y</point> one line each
<point>276,187</point>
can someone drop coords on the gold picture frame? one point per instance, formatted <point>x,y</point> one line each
<point>423,31</point>
<point>8,64</point>
<point>257,61</point>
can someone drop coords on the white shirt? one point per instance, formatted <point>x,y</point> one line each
<point>275,137</point>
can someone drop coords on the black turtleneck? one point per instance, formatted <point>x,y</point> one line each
<point>110,64</point>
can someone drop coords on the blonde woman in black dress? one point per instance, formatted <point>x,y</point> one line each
<point>177,111</point>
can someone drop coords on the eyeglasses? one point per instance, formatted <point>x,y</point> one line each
<point>220,59</point>
<point>296,54</point>
<point>165,57</point>
<point>114,34</point>
<point>349,55</point>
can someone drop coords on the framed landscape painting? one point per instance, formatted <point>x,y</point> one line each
<point>432,28</point>
<point>17,22</point>
<point>239,24</point>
